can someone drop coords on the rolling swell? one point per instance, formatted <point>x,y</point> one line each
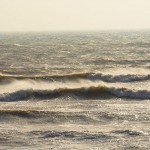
<point>91,91</point>
<point>53,116</point>
<point>87,76</point>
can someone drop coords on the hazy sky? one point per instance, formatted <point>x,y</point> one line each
<point>41,15</point>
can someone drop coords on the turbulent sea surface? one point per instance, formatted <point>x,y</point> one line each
<point>68,91</point>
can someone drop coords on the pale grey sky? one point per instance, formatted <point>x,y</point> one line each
<point>42,15</point>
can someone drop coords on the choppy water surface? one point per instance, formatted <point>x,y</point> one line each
<point>86,90</point>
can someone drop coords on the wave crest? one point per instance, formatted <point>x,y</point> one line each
<point>86,76</point>
<point>119,78</point>
<point>92,90</point>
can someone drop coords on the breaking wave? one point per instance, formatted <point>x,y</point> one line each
<point>81,91</point>
<point>87,76</point>
<point>119,78</point>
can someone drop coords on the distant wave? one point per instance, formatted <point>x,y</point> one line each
<point>87,76</point>
<point>81,91</point>
<point>18,45</point>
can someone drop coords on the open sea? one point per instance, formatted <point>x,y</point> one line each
<point>75,90</point>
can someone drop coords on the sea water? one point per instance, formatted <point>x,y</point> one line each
<point>75,90</point>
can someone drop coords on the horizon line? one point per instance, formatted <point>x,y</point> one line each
<point>88,30</point>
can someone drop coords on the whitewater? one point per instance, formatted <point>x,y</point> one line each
<point>75,90</point>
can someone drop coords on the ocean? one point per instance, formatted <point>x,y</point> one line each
<point>75,90</point>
